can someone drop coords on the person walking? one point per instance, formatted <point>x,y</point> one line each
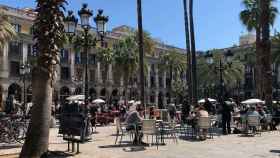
<point>226,117</point>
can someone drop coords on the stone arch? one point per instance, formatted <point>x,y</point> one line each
<point>78,91</point>
<point>15,89</point>
<point>152,97</point>
<point>167,95</point>
<point>160,100</point>
<point>103,93</point>
<point>64,93</point>
<point>92,93</point>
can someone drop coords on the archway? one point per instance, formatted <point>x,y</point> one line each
<point>103,93</point>
<point>168,99</point>
<point>64,93</point>
<point>92,94</point>
<point>115,98</point>
<point>152,97</point>
<point>78,91</point>
<point>15,89</point>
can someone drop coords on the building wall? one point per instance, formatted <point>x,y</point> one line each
<point>73,84</point>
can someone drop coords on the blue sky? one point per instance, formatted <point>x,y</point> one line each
<point>217,22</point>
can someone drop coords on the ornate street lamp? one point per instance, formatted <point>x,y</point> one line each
<point>24,72</point>
<point>70,27</point>
<point>70,24</point>
<point>223,65</point>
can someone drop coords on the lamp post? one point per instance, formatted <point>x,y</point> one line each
<point>70,28</point>
<point>24,71</point>
<point>223,65</point>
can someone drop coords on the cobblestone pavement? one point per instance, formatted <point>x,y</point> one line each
<point>231,146</point>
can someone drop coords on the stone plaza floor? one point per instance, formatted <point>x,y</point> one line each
<point>230,146</point>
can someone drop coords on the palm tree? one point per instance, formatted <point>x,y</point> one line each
<point>126,59</point>
<point>48,34</point>
<point>193,52</point>
<point>7,31</point>
<point>106,57</point>
<point>175,63</point>
<point>250,17</point>
<point>265,7</point>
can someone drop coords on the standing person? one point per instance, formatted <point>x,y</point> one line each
<point>208,106</point>
<point>172,111</point>
<point>226,117</point>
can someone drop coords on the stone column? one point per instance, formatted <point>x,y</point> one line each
<point>4,62</point>
<point>72,63</point>
<point>164,80</point>
<point>98,74</point>
<point>149,76</point>
<point>24,52</point>
<point>110,74</point>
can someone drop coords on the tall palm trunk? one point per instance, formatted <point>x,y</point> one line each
<point>193,51</point>
<point>266,47</point>
<point>259,76</point>
<point>48,33</point>
<point>37,140</point>
<point>189,77</point>
<point>141,51</point>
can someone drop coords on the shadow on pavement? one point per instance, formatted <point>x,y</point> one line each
<point>275,151</point>
<point>10,146</point>
<point>57,154</point>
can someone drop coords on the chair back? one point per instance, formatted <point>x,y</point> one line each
<point>149,126</point>
<point>253,120</point>
<point>204,122</point>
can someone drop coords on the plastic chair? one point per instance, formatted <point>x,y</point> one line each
<point>253,122</point>
<point>149,128</point>
<point>121,131</point>
<point>204,123</point>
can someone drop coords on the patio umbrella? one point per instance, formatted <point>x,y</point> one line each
<point>131,102</point>
<point>210,99</point>
<point>75,97</point>
<point>98,101</point>
<point>137,102</point>
<point>253,101</point>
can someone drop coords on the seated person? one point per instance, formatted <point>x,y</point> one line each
<point>201,112</point>
<point>132,120</point>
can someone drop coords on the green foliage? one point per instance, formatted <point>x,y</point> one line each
<point>126,57</point>
<point>173,60</point>
<point>7,31</point>
<point>209,74</point>
<point>275,48</point>
<point>250,16</point>
<point>49,33</point>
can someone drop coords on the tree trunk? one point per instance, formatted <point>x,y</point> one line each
<point>141,52</point>
<point>266,47</point>
<point>37,140</point>
<point>259,76</point>
<point>193,51</point>
<point>188,72</point>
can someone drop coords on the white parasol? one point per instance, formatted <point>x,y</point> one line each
<point>75,97</point>
<point>210,99</point>
<point>98,101</point>
<point>131,102</point>
<point>253,101</point>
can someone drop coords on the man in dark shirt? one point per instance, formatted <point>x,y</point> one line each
<point>226,117</point>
